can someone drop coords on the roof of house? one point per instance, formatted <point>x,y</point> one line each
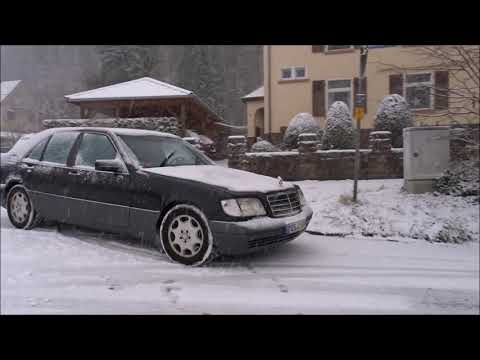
<point>6,87</point>
<point>143,88</point>
<point>256,94</point>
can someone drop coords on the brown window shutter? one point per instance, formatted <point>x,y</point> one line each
<point>441,90</point>
<point>318,48</point>
<point>318,97</point>
<point>396,84</point>
<point>356,84</point>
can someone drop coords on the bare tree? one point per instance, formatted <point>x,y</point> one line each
<point>463,65</point>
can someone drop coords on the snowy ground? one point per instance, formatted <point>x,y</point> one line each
<point>385,210</point>
<point>44,271</point>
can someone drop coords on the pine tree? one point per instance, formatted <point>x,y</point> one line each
<point>127,62</point>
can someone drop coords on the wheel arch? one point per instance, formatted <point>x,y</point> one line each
<point>172,204</point>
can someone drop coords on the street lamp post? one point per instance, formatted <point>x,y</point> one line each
<point>359,114</point>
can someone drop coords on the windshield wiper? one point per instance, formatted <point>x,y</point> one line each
<point>164,162</point>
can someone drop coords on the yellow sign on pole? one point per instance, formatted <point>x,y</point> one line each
<point>359,113</point>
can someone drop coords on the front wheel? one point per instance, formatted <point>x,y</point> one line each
<point>185,236</point>
<point>20,208</point>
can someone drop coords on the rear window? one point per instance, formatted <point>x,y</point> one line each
<point>37,150</point>
<point>59,147</point>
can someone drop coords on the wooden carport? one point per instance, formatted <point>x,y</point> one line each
<point>147,97</point>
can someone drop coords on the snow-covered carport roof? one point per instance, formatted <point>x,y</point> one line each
<point>143,89</point>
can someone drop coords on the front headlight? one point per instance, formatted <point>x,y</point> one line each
<point>243,207</point>
<point>301,197</point>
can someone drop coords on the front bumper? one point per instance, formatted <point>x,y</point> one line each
<point>234,238</point>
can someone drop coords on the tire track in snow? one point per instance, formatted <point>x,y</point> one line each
<point>280,285</point>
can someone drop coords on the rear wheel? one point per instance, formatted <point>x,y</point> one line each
<point>20,208</point>
<point>185,236</point>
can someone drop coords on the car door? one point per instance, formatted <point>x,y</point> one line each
<point>103,196</point>
<point>48,180</point>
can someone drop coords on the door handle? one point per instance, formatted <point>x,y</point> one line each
<point>27,166</point>
<point>73,172</point>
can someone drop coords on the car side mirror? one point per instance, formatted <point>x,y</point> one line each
<point>109,165</point>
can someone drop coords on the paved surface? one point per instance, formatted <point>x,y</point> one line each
<point>73,271</point>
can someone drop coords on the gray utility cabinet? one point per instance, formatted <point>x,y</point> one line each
<point>426,156</point>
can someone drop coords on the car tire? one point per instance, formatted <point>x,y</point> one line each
<point>185,236</point>
<point>20,209</point>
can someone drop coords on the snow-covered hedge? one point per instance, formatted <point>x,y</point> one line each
<point>393,114</point>
<point>300,123</point>
<point>163,124</point>
<point>263,146</point>
<point>460,179</point>
<point>339,129</point>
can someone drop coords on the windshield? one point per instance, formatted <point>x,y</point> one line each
<point>156,151</point>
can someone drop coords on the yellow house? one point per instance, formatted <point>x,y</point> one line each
<point>309,78</point>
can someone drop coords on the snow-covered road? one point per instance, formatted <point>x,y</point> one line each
<point>44,271</point>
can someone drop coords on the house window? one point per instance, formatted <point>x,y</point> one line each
<point>339,47</point>
<point>293,72</point>
<point>339,90</point>
<point>418,90</point>
<point>286,73</point>
<point>300,72</point>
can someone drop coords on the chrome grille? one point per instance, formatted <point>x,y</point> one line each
<point>284,203</point>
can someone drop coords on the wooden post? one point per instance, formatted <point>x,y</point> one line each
<point>82,112</point>
<point>117,112</point>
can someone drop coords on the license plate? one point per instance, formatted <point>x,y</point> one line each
<point>295,227</point>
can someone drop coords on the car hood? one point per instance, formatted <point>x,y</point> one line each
<point>230,179</point>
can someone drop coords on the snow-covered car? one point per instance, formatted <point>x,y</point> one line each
<point>151,185</point>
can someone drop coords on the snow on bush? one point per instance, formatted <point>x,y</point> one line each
<point>338,130</point>
<point>384,210</point>
<point>263,146</point>
<point>453,231</point>
<point>393,114</point>
<point>300,123</point>
<point>460,179</point>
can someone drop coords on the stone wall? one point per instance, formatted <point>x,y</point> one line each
<point>380,161</point>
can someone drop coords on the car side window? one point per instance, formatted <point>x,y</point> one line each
<point>94,147</point>
<point>36,152</point>
<point>59,147</point>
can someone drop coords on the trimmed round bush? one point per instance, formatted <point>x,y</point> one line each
<point>263,146</point>
<point>393,114</point>
<point>339,128</point>
<point>300,123</point>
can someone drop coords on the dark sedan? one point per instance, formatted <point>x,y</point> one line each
<point>151,185</point>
